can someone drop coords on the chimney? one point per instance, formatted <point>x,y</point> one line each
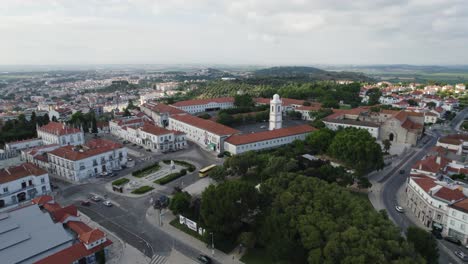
<point>438,160</point>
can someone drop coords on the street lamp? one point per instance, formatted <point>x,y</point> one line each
<point>212,243</point>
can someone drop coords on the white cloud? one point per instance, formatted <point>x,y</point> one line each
<point>250,31</point>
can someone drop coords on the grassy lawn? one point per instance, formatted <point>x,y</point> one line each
<point>175,223</point>
<point>256,256</point>
<point>121,181</point>
<point>345,107</point>
<point>146,171</point>
<point>142,190</point>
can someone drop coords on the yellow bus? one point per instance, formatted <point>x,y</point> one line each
<point>203,172</point>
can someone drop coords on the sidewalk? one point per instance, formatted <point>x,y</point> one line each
<point>219,256</point>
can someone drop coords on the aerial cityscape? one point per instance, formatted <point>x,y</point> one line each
<point>180,132</point>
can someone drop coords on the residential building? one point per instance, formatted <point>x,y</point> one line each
<point>118,127</point>
<point>161,139</point>
<point>160,113</point>
<point>456,142</point>
<point>237,144</point>
<point>58,133</point>
<point>306,110</point>
<point>457,221</point>
<point>204,132</point>
<point>97,156</point>
<point>204,105</point>
<point>430,118</point>
<point>22,183</point>
<point>38,155</point>
<point>428,199</point>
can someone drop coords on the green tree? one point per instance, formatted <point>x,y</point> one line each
<point>387,144</point>
<point>357,149</point>
<point>225,206</point>
<point>320,140</point>
<point>218,173</point>
<point>424,243</point>
<point>180,203</point>
<point>412,102</point>
<point>431,105</point>
<point>374,95</point>
<point>225,119</point>
<point>243,100</point>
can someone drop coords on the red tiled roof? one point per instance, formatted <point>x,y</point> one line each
<point>430,164</point>
<point>91,236</point>
<point>204,101</point>
<point>92,148</point>
<point>17,172</point>
<point>457,170</point>
<point>79,227</point>
<point>51,207</point>
<point>72,254</point>
<point>425,183</point>
<point>207,125</point>
<point>408,124</point>
<point>155,130</point>
<point>267,135</point>
<point>461,205</point>
<point>163,108</point>
<point>128,121</point>
<point>58,129</point>
<point>41,200</point>
<point>456,139</point>
<point>59,214</point>
<point>449,194</point>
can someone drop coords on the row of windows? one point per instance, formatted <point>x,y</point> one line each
<point>271,142</point>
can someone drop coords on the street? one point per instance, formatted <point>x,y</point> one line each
<point>392,181</point>
<point>127,217</point>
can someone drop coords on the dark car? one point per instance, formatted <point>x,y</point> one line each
<point>85,203</point>
<point>402,171</point>
<point>164,200</point>
<point>453,240</point>
<point>437,234</point>
<point>204,259</point>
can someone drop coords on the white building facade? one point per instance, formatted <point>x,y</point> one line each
<point>58,133</point>
<point>204,105</point>
<point>22,183</point>
<point>97,157</point>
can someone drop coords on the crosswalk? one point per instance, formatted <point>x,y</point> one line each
<point>158,259</point>
<point>146,158</point>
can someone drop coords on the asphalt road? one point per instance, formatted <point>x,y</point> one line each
<point>393,181</point>
<point>127,217</point>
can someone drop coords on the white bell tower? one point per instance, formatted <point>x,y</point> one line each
<point>276,112</point>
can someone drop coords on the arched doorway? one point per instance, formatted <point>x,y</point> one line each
<point>21,196</point>
<point>391,137</point>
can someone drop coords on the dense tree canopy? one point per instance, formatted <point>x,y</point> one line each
<point>21,128</point>
<point>374,95</point>
<point>424,243</point>
<point>225,206</point>
<point>309,221</point>
<point>321,139</point>
<point>180,202</point>
<point>357,149</point>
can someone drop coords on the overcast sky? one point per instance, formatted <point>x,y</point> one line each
<point>234,31</point>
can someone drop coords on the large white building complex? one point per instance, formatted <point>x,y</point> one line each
<point>267,139</point>
<point>97,156</point>
<point>204,105</point>
<point>58,133</point>
<point>22,183</point>
<point>204,132</point>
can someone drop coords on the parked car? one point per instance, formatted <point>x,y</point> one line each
<point>453,240</point>
<point>125,142</point>
<point>107,203</point>
<point>164,200</point>
<point>85,203</point>
<point>204,259</point>
<point>96,198</point>
<point>402,171</point>
<point>134,144</point>
<point>399,209</point>
<point>437,234</point>
<point>263,127</point>
<point>461,255</point>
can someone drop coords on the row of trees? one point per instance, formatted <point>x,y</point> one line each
<point>21,128</point>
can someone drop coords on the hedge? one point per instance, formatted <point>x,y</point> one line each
<point>121,181</point>
<point>190,167</point>
<point>142,190</point>
<point>171,177</point>
<point>146,170</point>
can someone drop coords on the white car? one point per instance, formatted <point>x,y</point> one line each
<point>399,209</point>
<point>107,203</point>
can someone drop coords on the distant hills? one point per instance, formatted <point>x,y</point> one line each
<point>309,73</point>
